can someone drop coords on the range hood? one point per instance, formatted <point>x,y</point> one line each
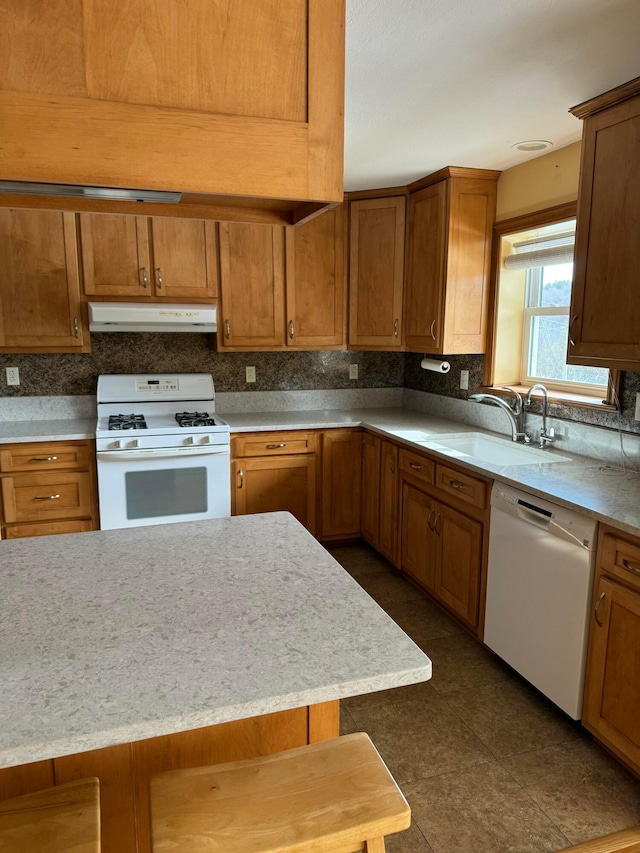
<point>77,191</point>
<point>153,317</point>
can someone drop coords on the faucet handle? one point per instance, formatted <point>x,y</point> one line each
<point>547,436</point>
<point>517,403</point>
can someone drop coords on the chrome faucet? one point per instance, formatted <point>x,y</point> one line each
<point>547,436</point>
<point>514,412</point>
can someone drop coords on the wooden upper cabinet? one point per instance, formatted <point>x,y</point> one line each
<point>316,282</point>
<point>451,216</point>
<point>185,258</point>
<point>204,96</point>
<point>134,256</point>
<point>376,271</point>
<point>605,300</point>
<point>116,259</point>
<point>39,283</point>
<point>251,314</point>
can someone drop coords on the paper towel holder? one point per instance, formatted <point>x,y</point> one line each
<point>435,366</point>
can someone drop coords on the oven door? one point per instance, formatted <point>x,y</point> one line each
<point>163,486</point>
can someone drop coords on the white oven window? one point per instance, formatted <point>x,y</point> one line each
<point>166,492</point>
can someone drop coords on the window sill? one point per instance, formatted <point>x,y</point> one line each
<point>561,398</point>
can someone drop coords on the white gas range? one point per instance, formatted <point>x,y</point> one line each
<point>162,451</point>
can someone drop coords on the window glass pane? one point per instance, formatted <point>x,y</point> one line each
<point>174,492</point>
<point>548,351</point>
<point>556,285</point>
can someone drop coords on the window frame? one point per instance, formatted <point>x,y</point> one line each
<point>527,222</point>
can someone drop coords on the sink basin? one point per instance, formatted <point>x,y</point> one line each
<point>497,451</point>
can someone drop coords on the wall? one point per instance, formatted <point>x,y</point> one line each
<point>77,373</point>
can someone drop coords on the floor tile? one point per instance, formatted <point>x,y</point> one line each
<point>460,662</point>
<point>409,841</point>
<point>511,717</point>
<point>416,692</point>
<point>389,588</point>
<point>420,738</point>
<point>422,619</point>
<point>480,810</point>
<point>582,790</point>
<point>360,560</point>
<point>347,723</point>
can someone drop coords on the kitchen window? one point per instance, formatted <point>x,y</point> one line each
<point>533,271</point>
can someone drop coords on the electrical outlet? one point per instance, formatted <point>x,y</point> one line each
<point>250,373</point>
<point>464,380</point>
<point>637,413</point>
<point>353,371</point>
<point>13,376</point>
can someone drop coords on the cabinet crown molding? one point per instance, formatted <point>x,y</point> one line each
<point>612,98</point>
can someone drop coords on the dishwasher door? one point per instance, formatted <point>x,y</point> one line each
<point>539,584</point>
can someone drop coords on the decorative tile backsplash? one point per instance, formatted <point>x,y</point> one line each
<point>77,373</point>
<point>69,374</point>
<point>448,385</point>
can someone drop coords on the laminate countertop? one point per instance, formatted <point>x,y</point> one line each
<point>118,635</point>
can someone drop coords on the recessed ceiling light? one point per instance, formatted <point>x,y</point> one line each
<point>533,145</point>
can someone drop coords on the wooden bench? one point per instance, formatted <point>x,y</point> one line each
<point>62,819</point>
<point>335,796</point>
<point>625,841</point>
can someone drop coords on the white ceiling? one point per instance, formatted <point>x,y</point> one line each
<point>433,83</point>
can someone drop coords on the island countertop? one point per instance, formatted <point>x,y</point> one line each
<point>113,636</point>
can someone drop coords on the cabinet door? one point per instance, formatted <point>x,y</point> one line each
<point>251,286</point>
<point>389,482</point>
<point>184,258</point>
<point>612,689</point>
<point>316,282</point>
<point>605,300</point>
<point>277,483</point>
<point>370,504</point>
<point>457,578</point>
<point>39,281</point>
<point>426,270</point>
<point>341,476</point>
<point>376,260</point>
<point>418,555</point>
<point>115,255</point>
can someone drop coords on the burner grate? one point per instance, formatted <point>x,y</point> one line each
<point>127,422</point>
<point>194,419</point>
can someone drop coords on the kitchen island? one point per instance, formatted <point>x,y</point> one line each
<point>126,652</point>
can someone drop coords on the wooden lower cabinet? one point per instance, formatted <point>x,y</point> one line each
<point>276,483</point>
<point>48,488</point>
<point>611,708</point>
<point>457,577</point>
<point>370,503</point>
<point>418,557</point>
<point>340,491</point>
<point>124,770</point>
<point>389,499</point>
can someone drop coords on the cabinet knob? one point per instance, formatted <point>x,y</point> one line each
<point>145,277</point>
<point>159,277</point>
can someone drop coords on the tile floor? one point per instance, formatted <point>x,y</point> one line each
<point>486,763</point>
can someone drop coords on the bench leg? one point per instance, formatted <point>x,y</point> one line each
<point>374,845</point>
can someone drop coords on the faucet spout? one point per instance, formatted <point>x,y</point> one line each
<point>515,415</point>
<point>546,436</point>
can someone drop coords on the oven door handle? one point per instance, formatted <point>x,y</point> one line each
<point>159,453</point>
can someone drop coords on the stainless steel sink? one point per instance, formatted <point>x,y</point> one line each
<point>497,451</point>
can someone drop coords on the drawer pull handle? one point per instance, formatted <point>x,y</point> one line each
<point>395,328</point>
<point>241,476</point>
<point>159,274</point>
<point>275,446</point>
<point>431,330</point>
<point>455,485</point>
<point>571,340</point>
<point>145,277</point>
<point>415,466</point>
<point>596,612</point>
<point>47,497</point>
<point>227,329</point>
<point>76,328</point>
<point>44,459</point>
<point>429,520</point>
<point>631,567</point>
<point>291,329</point>
<point>435,524</point>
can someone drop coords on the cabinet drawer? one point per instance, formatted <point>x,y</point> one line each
<point>48,528</point>
<point>40,497</point>
<point>43,456</point>
<point>466,488</point>
<point>621,559</point>
<point>418,466</point>
<point>273,444</point>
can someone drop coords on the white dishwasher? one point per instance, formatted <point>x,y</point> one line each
<point>539,583</point>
